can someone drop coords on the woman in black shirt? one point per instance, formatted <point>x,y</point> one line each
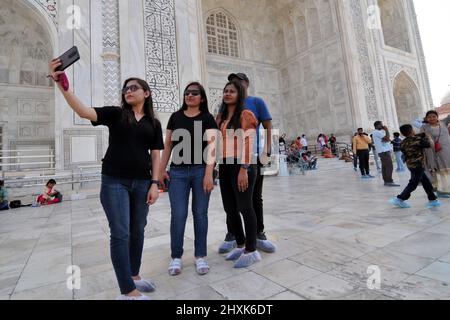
<point>189,132</point>
<point>129,174</point>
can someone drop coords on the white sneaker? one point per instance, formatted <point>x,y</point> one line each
<point>138,298</point>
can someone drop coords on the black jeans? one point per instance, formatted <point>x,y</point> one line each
<point>363,157</point>
<point>235,202</point>
<point>418,175</point>
<point>257,201</point>
<point>386,166</point>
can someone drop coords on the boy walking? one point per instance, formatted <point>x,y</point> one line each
<point>412,147</point>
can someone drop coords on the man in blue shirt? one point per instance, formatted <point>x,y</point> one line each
<point>382,142</point>
<point>261,112</point>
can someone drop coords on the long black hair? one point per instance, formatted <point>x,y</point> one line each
<point>235,121</point>
<point>128,115</point>
<point>204,102</point>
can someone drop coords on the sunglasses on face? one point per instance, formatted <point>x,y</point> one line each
<point>195,93</point>
<point>132,88</point>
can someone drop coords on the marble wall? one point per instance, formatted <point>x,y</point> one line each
<point>292,52</point>
<point>27,110</point>
<point>318,64</point>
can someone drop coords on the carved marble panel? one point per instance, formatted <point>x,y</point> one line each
<point>33,130</point>
<point>394,69</point>
<point>111,49</point>
<point>368,82</point>
<point>161,53</point>
<point>215,99</point>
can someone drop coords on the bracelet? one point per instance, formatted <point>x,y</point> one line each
<point>154,182</point>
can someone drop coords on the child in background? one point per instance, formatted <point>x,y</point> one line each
<point>398,153</point>
<point>50,194</point>
<point>412,148</point>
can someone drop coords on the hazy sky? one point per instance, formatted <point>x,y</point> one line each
<point>434,24</point>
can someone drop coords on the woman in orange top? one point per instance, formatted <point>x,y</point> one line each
<point>238,173</point>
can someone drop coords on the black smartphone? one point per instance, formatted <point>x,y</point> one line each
<point>68,58</point>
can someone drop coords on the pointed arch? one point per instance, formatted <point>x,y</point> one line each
<point>407,99</point>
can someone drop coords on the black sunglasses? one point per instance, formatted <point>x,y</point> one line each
<point>195,93</point>
<point>132,88</point>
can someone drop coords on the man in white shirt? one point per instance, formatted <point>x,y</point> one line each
<point>382,142</point>
<point>304,143</point>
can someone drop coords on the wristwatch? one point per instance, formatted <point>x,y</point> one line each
<point>154,182</point>
<point>245,166</point>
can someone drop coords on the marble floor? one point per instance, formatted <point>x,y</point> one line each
<point>332,231</point>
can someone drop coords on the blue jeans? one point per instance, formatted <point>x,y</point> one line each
<point>4,205</point>
<point>125,205</point>
<point>182,180</point>
<point>398,158</point>
<point>376,159</point>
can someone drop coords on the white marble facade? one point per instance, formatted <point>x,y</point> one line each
<point>321,65</point>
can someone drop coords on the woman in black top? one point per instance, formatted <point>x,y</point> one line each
<point>189,132</point>
<point>129,175</point>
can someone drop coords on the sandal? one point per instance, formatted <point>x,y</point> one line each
<point>175,267</point>
<point>202,266</point>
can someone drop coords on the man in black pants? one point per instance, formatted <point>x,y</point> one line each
<point>261,111</point>
<point>361,147</point>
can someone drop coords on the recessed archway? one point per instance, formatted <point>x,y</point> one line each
<point>26,94</point>
<point>407,99</point>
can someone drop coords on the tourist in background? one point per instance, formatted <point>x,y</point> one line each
<point>382,142</point>
<point>3,196</point>
<point>361,144</point>
<point>304,142</point>
<point>396,142</point>
<point>413,150</point>
<point>50,195</point>
<point>376,158</point>
<point>438,157</point>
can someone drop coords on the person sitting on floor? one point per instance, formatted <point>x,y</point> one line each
<point>346,156</point>
<point>3,196</point>
<point>326,153</point>
<point>310,160</point>
<point>50,194</point>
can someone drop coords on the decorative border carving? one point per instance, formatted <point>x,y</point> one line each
<point>50,7</point>
<point>420,53</point>
<point>111,49</point>
<point>363,52</point>
<point>161,54</point>
<point>395,68</point>
<point>215,100</point>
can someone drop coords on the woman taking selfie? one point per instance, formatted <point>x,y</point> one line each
<point>129,174</point>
